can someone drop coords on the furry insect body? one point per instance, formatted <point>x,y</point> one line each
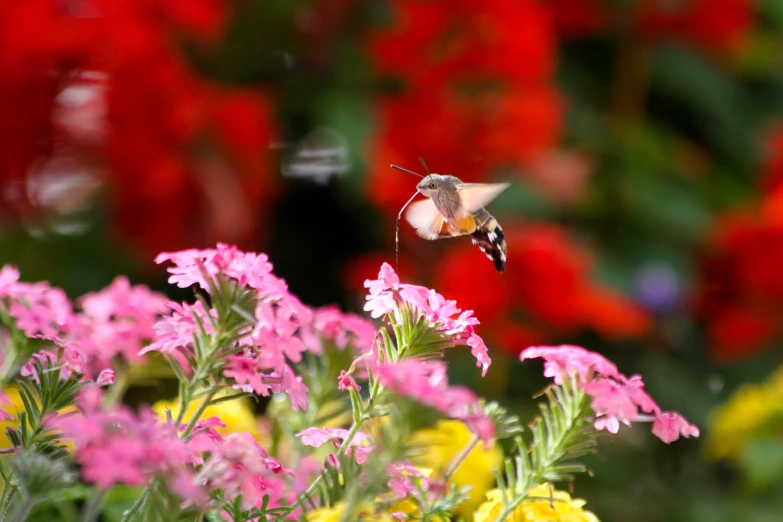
<point>454,208</point>
<point>490,238</point>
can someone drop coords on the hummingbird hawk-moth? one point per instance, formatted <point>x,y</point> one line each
<point>454,208</point>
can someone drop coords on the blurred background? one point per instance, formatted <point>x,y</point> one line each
<point>643,138</point>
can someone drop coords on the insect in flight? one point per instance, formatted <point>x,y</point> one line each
<point>454,208</point>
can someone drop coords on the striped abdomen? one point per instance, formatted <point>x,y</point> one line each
<point>490,238</point>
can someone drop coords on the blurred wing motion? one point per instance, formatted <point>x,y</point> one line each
<point>425,218</point>
<point>474,196</point>
<point>472,218</point>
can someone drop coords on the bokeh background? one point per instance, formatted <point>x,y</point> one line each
<point>643,138</point>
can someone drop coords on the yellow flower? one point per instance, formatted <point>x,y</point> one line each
<point>545,506</point>
<point>363,513</point>
<point>410,508</point>
<point>13,409</point>
<point>442,444</point>
<point>236,414</point>
<point>745,416</point>
<point>16,406</point>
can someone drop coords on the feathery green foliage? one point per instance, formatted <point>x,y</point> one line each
<point>561,434</point>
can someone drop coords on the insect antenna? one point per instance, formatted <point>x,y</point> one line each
<point>406,170</point>
<point>421,160</point>
<point>397,234</point>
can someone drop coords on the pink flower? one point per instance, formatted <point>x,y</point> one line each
<point>401,480</point>
<point>177,330</point>
<point>566,360</point>
<point>346,382</point>
<point>105,378</point>
<point>331,324</point>
<point>118,447</point>
<point>275,333</point>
<point>39,309</point>
<point>668,426</point>
<point>427,383</point>
<point>239,466</point>
<point>360,453</point>
<point>611,403</point>
<point>616,398</point>
<point>185,485</point>
<point>88,398</point>
<point>5,401</point>
<point>247,268</point>
<point>9,276</point>
<point>483,426</point>
<point>388,296</point>
<point>292,385</point>
<point>480,352</point>
<point>387,280</point>
<point>317,437</point>
<point>380,304</point>
<point>634,388</point>
<point>120,319</point>
<point>49,360</point>
<point>244,369</point>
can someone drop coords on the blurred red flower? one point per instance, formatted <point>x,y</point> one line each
<point>545,293</point>
<point>476,90</point>
<point>164,132</point>
<point>741,295</point>
<point>713,25</point>
<point>718,25</point>
<point>580,18</point>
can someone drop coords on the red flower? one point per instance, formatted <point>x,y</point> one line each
<point>741,294</point>
<point>713,25</point>
<point>579,18</point>
<point>476,90</point>
<point>545,291</point>
<point>176,147</point>
<point>720,25</point>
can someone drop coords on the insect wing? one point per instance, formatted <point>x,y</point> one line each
<point>425,218</point>
<point>474,196</point>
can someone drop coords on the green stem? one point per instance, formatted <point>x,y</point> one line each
<point>201,407</point>
<point>355,427</point>
<point>454,466</point>
<point>140,503</point>
<point>92,508</point>
<point>7,498</point>
<point>24,510</point>
<point>116,391</point>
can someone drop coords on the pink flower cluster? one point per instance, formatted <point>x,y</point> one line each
<point>317,437</point>
<point>401,481</point>
<point>115,321</point>
<point>119,447</point>
<point>427,383</point>
<point>128,321</point>
<point>331,324</point>
<point>39,310</point>
<point>237,465</point>
<point>247,268</point>
<point>177,330</point>
<point>387,296</point>
<point>282,330</point>
<point>121,319</point>
<point>616,398</point>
